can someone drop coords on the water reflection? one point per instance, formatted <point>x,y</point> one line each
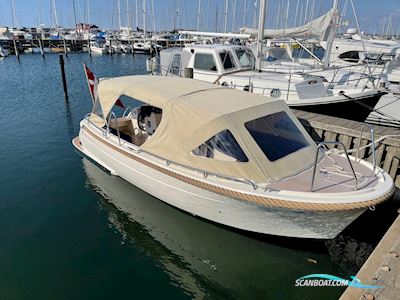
<point>205,259</point>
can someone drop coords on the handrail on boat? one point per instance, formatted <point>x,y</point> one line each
<point>128,109</point>
<point>168,162</point>
<point>316,159</point>
<point>371,132</point>
<point>112,115</point>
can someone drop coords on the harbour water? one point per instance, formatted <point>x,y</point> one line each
<point>69,230</point>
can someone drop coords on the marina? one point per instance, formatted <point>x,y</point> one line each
<point>250,151</point>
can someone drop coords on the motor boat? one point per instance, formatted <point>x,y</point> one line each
<point>227,156</point>
<point>4,51</point>
<point>233,66</point>
<point>142,47</point>
<point>95,47</point>
<point>379,57</point>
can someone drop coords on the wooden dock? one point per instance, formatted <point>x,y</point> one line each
<point>382,268</point>
<point>327,128</point>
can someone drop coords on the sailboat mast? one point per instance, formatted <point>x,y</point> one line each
<point>12,14</point>
<point>277,15</point>
<point>55,13</point>
<point>296,13</point>
<point>178,14</point>
<point>216,18</point>
<point>137,14</point>
<point>198,15</point>
<point>127,15</point>
<point>260,36</point>
<point>226,15</point>
<point>244,13</point>
<point>331,36</point>
<point>255,14</point>
<point>73,5</point>
<point>144,19</point>
<point>153,16</point>
<point>119,13</point>
<point>312,10</point>
<point>287,14</point>
<point>88,12</point>
<point>305,13</point>
<point>234,16</point>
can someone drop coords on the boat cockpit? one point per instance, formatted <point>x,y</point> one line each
<point>136,125</point>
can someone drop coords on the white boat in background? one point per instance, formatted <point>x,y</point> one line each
<point>382,58</point>
<point>143,47</point>
<point>96,48</point>
<point>116,47</point>
<point>4,51</point>
<point>233,66</point>
<point>227,156</point>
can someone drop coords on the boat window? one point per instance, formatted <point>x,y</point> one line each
<point>276,135</point>
<point>175,65</point>
<point>388,57</point>
<point>222,146</point>
<point>227,60</point>
<point>245,57</point>
<point>350,56</point>
<point>205,62</point>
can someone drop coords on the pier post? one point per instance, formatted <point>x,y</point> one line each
<point>41,47</point>
<point>65,48</point>
<point>64,80</point>
<point>89,48</point>
<point>111,48</point>
<point>132,47</point>
<point>16,49</point>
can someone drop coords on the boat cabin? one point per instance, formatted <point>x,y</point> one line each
<point>207,127</point>
<point>205,60</point>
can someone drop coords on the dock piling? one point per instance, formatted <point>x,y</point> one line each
<point>89,48</point>
<point>65,48</point>
<point>64,80</point>
<point>16,49</point>
<point>41,47</point>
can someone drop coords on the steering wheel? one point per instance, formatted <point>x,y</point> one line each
<point>140,120</point>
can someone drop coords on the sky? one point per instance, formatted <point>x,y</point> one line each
<point>104,13</point>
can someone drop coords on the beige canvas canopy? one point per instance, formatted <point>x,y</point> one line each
<point>194,111</point>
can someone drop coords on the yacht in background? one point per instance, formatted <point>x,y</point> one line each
<point>233,66</point>
<point>96,47</point>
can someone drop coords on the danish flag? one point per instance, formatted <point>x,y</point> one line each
<point>93,82</point>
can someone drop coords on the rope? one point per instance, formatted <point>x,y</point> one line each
<point>337,170</point>
<point>376,142</point>
<point>388,117</point>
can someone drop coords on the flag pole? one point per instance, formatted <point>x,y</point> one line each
<point>87,81</point>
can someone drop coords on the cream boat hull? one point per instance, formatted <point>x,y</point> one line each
<point>244,215</point>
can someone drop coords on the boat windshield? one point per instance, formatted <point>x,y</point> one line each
<point>245,57</point>
<point>222,146</point>
<point>276,135</point>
